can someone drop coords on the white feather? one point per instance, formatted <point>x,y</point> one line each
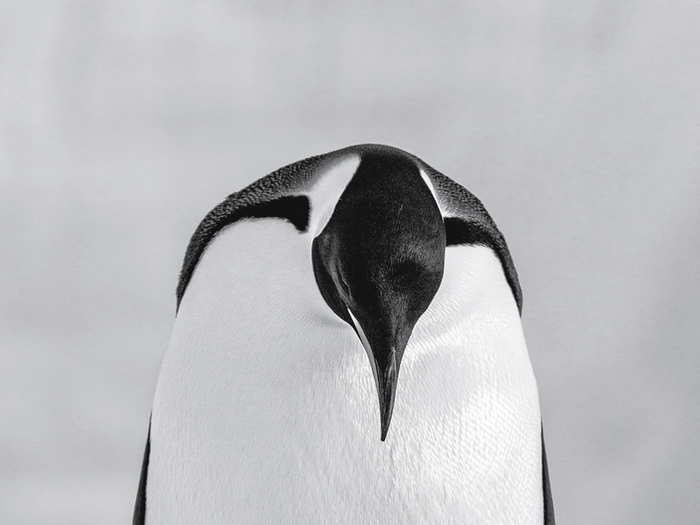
<point>327,187</point>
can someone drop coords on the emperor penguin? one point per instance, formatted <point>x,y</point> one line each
<point>347,348</point>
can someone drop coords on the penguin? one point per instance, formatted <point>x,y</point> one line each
<point>347,348</point>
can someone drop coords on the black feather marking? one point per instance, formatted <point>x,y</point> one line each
<point>460,231</point>
<point>546,489</point>
<point>140,505</point>
<point>295,209</point>
<point>276,185</point>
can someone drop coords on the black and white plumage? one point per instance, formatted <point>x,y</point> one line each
<point>266,407</point>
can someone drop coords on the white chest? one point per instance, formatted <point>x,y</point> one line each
<point>266,411</point>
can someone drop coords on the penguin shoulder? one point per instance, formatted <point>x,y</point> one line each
<point>298,193</point>
<point>467,222</point>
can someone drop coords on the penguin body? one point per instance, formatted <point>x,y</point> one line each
<point>266,404</point>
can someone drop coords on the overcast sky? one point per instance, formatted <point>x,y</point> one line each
<point>578,125</point>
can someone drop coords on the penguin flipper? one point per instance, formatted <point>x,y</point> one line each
<point>546,489</point>
<point>140,505</point>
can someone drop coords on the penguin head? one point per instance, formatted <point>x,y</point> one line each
<point>379,261</point>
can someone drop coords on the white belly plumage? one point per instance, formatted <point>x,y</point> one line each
<point>266,410</point>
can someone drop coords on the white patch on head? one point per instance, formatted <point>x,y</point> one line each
<point>266,408</point>
<point>327,188</point>
<point>429,183</point>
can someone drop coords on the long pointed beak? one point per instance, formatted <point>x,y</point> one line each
<point>385,369</point>
<point>385,379</point>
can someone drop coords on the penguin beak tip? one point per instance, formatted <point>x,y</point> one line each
<point>385,431</point>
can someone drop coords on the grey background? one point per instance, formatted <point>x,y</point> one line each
<point>122,123</point>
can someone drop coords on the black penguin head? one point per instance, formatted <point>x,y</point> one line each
<point>379,262</point>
